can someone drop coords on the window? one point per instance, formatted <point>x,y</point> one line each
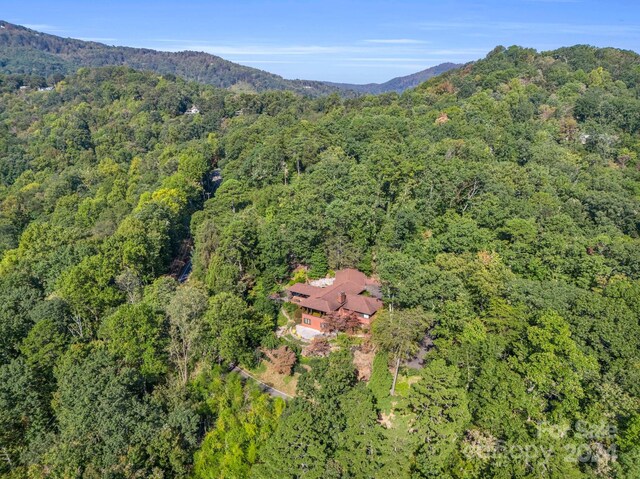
<point>306,321</point>
<point>365,316</point>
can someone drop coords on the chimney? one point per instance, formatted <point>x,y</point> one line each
<point>342,298</point>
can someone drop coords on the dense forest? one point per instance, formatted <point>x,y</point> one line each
<point>498,204</point>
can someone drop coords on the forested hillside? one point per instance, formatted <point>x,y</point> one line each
<point>25,51</point>
<point>499,205</point>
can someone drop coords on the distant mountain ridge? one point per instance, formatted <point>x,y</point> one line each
<point>398,84</point>
<point>26,51</point>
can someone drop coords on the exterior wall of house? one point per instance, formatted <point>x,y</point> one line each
<point>364,319</point>
<point>315,322</point>
<point>310,321</point>
<point>296,297</point>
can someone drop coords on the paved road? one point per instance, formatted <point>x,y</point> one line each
<point>186,272</point>
<point>418,361</point>
<point>265,387</point>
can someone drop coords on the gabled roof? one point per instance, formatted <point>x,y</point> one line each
<point>351,282</point>
<point>362,304</point>
<point>320,304</point>
<point>349,287</point>
<point>306,289</point>
<point>352,275</point>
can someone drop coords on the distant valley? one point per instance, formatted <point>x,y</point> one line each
<point>398,84</point>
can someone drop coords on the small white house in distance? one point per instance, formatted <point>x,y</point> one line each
<point>192,111</point>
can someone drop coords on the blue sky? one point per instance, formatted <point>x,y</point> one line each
<point>347,41</point>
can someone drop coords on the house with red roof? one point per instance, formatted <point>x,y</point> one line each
<point>344,297</point>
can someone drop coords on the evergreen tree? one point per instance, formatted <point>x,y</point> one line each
<point>441,411</point>
<point>381,380</point>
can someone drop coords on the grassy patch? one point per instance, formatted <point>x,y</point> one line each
<point>403,386</point>
<point>259,369</point>
<point>284,383</point>
<point>290,308</point>
<point>282,319</point>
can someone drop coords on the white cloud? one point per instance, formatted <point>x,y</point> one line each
<point>391,59</point>
<point>395,41</point>
<point>412,67</point>
<point>42,27</point>
<point>98,39</point>
<point>391,52</point>
<point>176,40</point>
<point>452,52</point>
<point>533,27</point>
<point>267,49</point>
<point>241,60</point>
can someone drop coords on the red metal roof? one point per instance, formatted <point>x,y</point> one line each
<point>351,282</point>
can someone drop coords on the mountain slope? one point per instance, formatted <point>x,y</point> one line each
<point>26,51</point>
<point>398,84</point>
<point>498,205</point>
